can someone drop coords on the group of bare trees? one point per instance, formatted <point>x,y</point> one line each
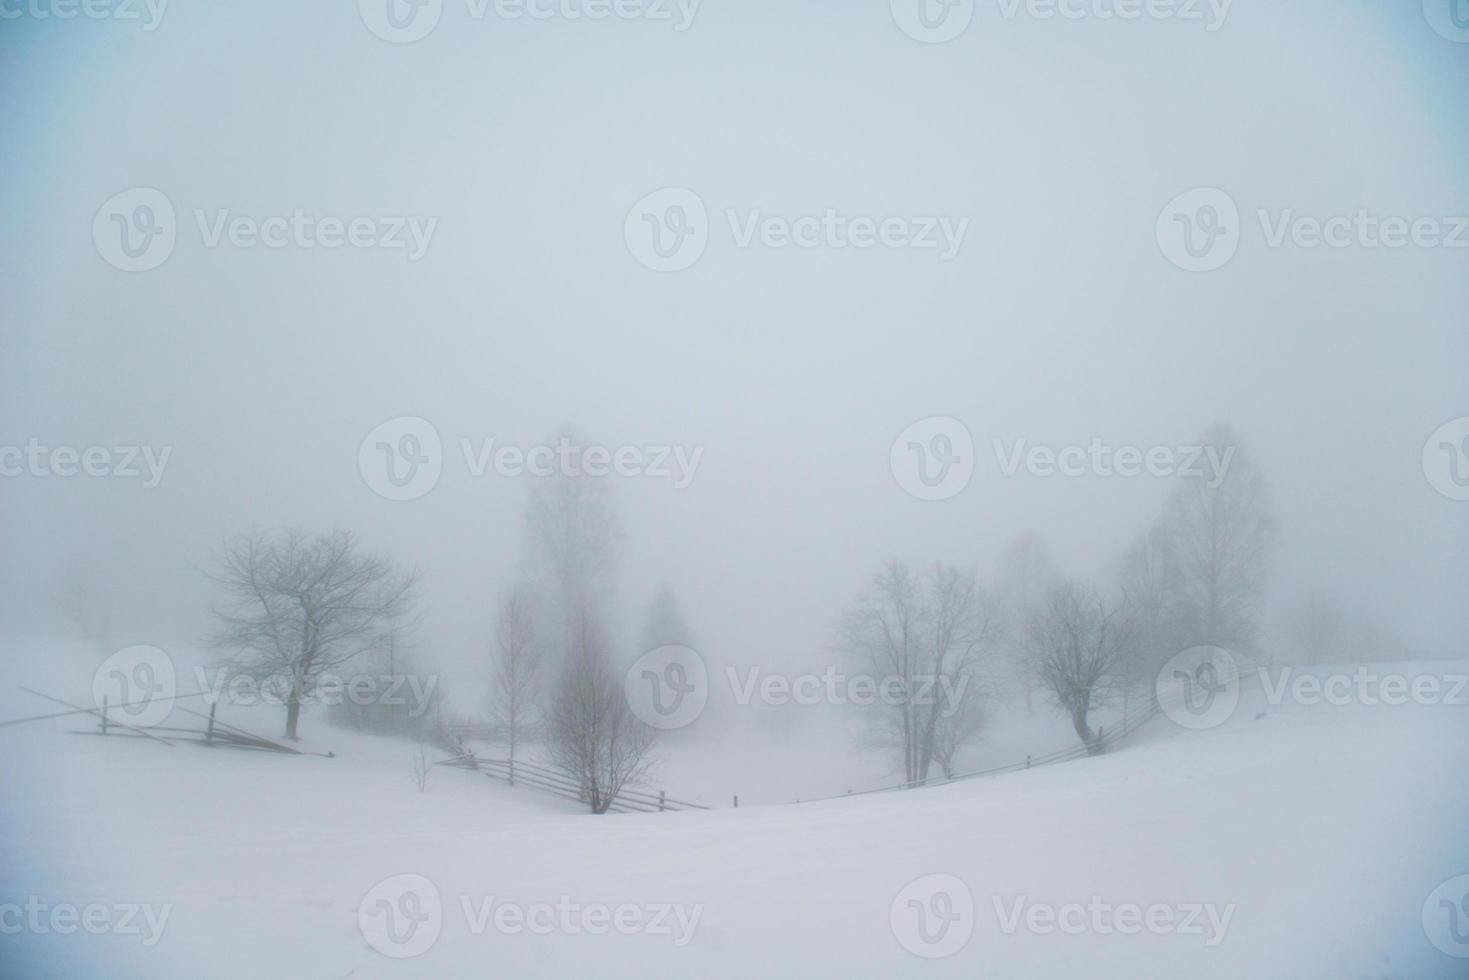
<point>1196,576</point>
<point>553,662</point>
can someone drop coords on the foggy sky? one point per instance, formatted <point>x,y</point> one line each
<point>794,370</point>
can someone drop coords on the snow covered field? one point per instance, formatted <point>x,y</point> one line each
<point>1294,841</point>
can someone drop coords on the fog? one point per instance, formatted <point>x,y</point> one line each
<point>792,369</point>
<point>823,287</point>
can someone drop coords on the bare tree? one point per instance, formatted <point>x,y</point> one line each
<point>926,635</point>
<point>1217,535</point>
<point>1315,627</point>
<point>420,767</point>
<point>517,665</point>
<point>1078,646</point>
<point>296,606</point>
<point>664,624</point>
<point>82,599</point>
<point>1024,576</point>
<point>594,735</point>
<point>571,546</point>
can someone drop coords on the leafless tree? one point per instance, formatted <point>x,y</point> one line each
<point>594,735</point>
<point>1078,646</point>
<point>571,546</point>
<point>1024,576</point>
<point>516,666</point>
<point>420,768</point>
<point>1216,541</point>
<point>296,606</point>
<point>928,634</point>
<point>1316,627</point>
<point>83,600</point>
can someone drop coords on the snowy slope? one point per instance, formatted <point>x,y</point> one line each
<point>1319,831</point>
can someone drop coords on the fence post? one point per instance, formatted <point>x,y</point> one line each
<point>660,801</point>
<point>737,801</point>
<point>104,714</point>
<point>1027,762</point>
<point>209,733</point>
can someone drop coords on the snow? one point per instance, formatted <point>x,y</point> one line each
<point>1324,827</point>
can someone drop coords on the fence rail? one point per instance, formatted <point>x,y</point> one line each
<point>559,783</point>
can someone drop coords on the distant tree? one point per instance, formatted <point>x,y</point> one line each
<point>594,735</point>
<point>517,664</point>
<point>1078,647</point>
<point>82,599</point>
<point>1316,628</point>
<point>296,606</point>
<point>1216,542</point>
<point>929,634</point>
<point>664,624</point>
<point>1024,575</point>
<point>573,533</point>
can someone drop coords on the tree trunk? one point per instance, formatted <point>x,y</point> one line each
<point>1078,721</point>
<point>293,711</point>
